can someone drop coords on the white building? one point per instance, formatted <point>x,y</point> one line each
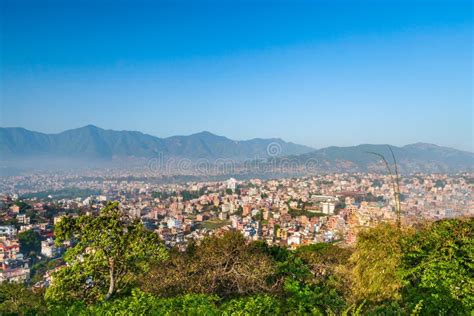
<point>328,207</point>
<point>232,184</point>
<point>294,239</point>
<point>87,201</point>
<point>223,216</point>
<point>173,223</point>
<point>49,249</point>
<point>23,219</point>
<point>102,198</point>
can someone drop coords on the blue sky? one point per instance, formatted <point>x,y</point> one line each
<point>318,73</point>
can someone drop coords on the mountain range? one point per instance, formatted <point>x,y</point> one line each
<point>93,143</point>
<point>419,157</point>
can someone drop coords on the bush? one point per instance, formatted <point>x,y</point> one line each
<point>438,267</point>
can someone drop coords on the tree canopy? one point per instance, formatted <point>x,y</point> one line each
<point>110,252</point>
<point>30,241</point>
<point>226,265</point>
<point>116,267</point>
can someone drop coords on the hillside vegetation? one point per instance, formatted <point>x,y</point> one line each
<point>118,268</point>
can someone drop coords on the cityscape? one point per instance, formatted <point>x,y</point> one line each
<point>288,212</point>
<point>236,158</point>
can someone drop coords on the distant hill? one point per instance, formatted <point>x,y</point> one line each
<point>91,144</point>
<point>94,142</point>
<point>419,157</point>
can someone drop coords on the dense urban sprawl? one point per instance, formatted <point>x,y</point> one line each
<point>286,212</point>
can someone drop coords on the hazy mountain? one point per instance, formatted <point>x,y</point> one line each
<point>93,142</point>
<point>419,157</point>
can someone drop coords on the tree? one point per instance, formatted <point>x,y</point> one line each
<point>307,276</point>
<point>323,259</point>
<point>30,241</point>
<point>140,303</point>
<point>438,265</point>
<point>252,305</point>
<point>376,260</point>
<point>16,299</point>
<point>110,252</point>
<point>225,266</point>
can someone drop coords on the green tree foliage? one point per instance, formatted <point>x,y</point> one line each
<point>111,251</point>
<point>30,241</point>
<point>188,195</point>
<point>304,291</point>
<point>39,269</point>
<point>140,303</point>
<point>309,214</point>
<point>66,193</point>
<point>421,271</point>
<point>438,267</point>
<point>162,195</point>
<point>16,299</point>
<point>288,264</point>
<point>261,304</point>
<point>440,184</point>
<point>258,216</point>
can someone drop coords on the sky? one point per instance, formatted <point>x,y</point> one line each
<point>318,73</point>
